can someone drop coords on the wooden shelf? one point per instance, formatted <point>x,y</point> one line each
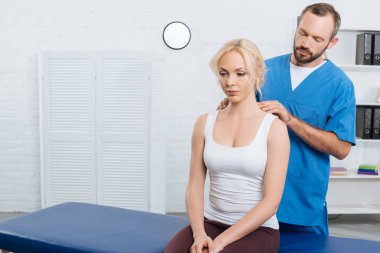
<point>354,209</point>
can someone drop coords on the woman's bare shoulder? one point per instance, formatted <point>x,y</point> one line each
<point>278,129</point>
<point>201,121</point>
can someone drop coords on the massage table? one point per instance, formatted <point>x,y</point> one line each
<point>84,228</point>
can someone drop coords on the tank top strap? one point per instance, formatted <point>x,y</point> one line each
<point>263,129</point>
<point>267,122</point>
<point>210,122</point>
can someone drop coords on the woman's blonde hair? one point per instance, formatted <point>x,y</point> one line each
<point>251,55</point>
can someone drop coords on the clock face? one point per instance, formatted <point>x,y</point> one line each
<point>176,35</point>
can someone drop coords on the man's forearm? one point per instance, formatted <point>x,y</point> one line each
<point>323,141</point>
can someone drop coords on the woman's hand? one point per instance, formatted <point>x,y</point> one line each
<point>202,243</point>
<point>218,245</point>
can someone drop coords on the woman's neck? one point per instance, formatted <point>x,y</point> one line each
<point>244,108</point>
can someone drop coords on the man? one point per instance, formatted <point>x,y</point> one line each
<point>316,100</point>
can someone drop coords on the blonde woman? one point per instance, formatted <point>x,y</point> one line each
<point>245,152</point>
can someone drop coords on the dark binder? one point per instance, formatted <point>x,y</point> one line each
<point>376,49</point>
<point>364,49</point>
<point>376,123</point>
<point>364,122</point>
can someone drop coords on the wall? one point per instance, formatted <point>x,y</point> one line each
<point>28,27</point>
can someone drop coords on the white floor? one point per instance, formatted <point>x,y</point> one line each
<point>8,216</point>
<point>359,226</point>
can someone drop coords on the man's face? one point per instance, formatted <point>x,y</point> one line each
<point>312,38</point>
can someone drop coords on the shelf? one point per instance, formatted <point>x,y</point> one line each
<point>360,68</point>
<point>354,209</point>
<point>356,193</point>
<point>360,140</point>
<point>353,175</point>
<point>369,103</point>
<point>359,30</point>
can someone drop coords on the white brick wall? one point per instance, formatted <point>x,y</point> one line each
<point>30,26</point>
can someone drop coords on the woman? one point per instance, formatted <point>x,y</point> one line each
<point>245,152</point>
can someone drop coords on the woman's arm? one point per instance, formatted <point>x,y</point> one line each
<point>195,188</point>
<point>274,181</point>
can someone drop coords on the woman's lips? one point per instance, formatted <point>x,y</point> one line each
<point>232,92</point>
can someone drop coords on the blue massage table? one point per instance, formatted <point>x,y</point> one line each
<point>85,228</point>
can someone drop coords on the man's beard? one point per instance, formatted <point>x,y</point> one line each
<point>306,59</point>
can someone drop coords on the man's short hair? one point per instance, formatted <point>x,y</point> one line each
<point>322,10</point>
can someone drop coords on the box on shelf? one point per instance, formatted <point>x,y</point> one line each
<point>338,171</point>
<point>368,169</point>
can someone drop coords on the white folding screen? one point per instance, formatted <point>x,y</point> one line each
<point>102,131</point>
<point>157,141</point>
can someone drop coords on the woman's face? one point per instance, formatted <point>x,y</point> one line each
<point>234,77</point>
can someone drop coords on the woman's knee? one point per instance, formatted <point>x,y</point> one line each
<point>181,242</point>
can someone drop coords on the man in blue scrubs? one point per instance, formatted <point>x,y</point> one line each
<point>316,101</point>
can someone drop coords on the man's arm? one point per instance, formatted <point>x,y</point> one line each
<point>323,141</point>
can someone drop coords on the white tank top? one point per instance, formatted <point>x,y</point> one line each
<point>236,175</point>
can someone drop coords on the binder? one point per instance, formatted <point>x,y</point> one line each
<point>364,122</point>
<point>376,49</point>
<point>376,123</point>
<point>364,49</point>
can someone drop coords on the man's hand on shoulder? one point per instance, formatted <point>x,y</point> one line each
<point>223,104</point>
<point>275,107</point>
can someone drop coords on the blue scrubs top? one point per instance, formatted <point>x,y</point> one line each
<point>325,100</point>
